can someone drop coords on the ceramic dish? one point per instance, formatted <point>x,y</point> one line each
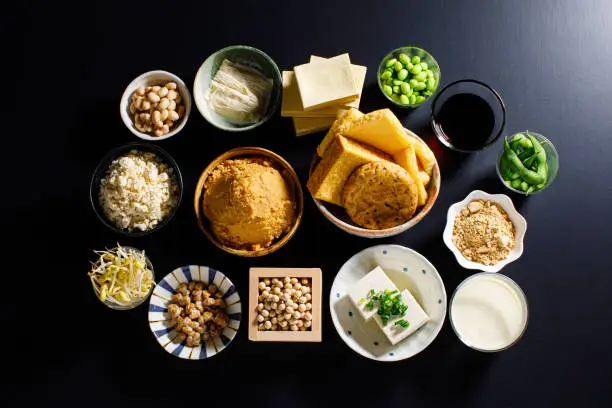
<point>552,161</point>
<point>153,78</point>
<point>249,56</point>
<point>339,217</point>
<point>290,177</point>
<point>520,225</point>
<point>408,270</point>
<point>100,172</point>
<point>411,51</point>
<point>159,319</point>
<point>312,335</point>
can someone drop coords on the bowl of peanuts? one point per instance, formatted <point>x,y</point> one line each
<point>155,105</point>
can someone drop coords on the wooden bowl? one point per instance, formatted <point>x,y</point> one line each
<point>289,175</point>
<point>339,217</point>
<point>312,335</point>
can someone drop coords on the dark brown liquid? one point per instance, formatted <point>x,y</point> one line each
<point>466,120</point>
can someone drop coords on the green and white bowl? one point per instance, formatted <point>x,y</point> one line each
<point>246,55</point>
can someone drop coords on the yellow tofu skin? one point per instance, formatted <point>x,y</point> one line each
<point>341,158</point>
<point>337,128</point>
<point>327,82</point>
<point>408,160</point>
<point>306,126</point>
<point>381,129</point>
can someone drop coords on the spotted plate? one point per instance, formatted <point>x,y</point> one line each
<point>408,270</point>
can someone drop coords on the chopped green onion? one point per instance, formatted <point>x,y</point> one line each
<point>390,304</point>
<point>402,323</point>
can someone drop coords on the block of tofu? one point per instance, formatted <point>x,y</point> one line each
<point>381,129</point>
<point>376,280</point>
<point>415,316</point>
<point>359,75</point>
<point>291,105</point>
<point>408,160</point>
<point>325,83</point>
<point>306,126</point>
<point>342,157</point>
<point>337,127</point>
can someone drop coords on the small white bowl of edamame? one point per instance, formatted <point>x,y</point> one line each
<point>156,105</point>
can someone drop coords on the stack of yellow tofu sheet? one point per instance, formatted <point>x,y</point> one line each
<point>317,93</point>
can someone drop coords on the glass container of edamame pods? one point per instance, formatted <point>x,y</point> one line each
<point>399,80</point>
<point>552,163</point>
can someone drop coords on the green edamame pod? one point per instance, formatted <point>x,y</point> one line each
<point>405,88</point>
<point>525,143</point>
<point>404,100</point>
<point>516,184</point>
<point>391,62</point>
<point>403,74</point>
<point>540,160</point>
<point>421,76</point>
<point>431,84</point>
<point>385,75</point>
<point>415,59</point>
<point>388,90</point>
<point>416,69</point>
<point>527,175</point>
<point>531,189</point>
<point>404,58</point>
<point>525,154</point>
<point>424,66</point>
<point>398,66</point>
<point>396,89</point>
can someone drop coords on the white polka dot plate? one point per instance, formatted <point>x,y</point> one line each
<point>159,319</point>
<point>408,270</point>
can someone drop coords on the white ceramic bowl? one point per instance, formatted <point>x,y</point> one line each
<point>408,270</point>
<point>153,78</point>
<point>159,319</point>
<point>520,225</point>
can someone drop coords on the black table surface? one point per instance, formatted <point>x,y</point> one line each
<point>69,65</point>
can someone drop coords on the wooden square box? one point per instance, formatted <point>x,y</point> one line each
<point>312,335</point>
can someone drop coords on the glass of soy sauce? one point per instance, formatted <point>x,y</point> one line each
<point>468,115</point>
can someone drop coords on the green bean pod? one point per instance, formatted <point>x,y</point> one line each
<point>527,175</point>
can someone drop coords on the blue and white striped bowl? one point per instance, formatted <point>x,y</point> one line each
<point>159,319</point>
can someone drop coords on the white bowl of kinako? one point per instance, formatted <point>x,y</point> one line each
<point>371,177</point>
<point>485,231</point>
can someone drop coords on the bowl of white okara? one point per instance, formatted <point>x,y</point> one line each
<point>511,252</point>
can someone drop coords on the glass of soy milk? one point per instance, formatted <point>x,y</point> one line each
<point>488,312</point>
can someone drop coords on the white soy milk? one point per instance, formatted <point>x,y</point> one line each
<point>488,312</point>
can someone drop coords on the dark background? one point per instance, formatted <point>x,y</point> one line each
<point>68,66</point>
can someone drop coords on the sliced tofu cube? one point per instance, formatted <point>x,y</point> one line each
<point>376,280</point>
<point>415,316</point>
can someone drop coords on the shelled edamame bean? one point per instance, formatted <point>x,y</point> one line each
<point>408,80</point>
